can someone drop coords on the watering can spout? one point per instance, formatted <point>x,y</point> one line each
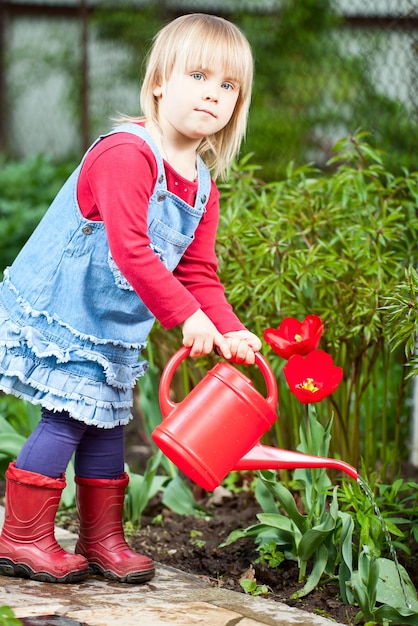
<point>266,457</point>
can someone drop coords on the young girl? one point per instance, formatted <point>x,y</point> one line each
<point>129,238</point>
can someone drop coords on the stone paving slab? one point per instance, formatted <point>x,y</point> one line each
<point>172,597</point>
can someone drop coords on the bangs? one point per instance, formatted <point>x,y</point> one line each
<point>210,42</point>
<point>208,53</point>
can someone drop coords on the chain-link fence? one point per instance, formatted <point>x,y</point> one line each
<point>64,73</point>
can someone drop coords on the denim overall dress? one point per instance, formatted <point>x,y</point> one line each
<point>71,326</point>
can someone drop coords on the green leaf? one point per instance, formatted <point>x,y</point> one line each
<point>345,569</point>
<point>256,530</point>
<point>318,569</point>
<point>11,443</point>
<point>141,489</point>
<point>5,426</point>
<point>248,585</point>
<point>275,520</point>
<point>178,497</point>
<point>8,618</point>
<point>314,537</point>
<point>287,501</point>
<point>265,498</point>
<point>390,615</point>
<point>389,589</point>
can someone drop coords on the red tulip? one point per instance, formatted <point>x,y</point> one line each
<point>312,378</point>
<point>295,337</point>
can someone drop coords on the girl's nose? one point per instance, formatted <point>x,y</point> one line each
<point>210,98</point>
<point>211,94</point>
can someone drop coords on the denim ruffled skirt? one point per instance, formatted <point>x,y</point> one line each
<point>47,363</point>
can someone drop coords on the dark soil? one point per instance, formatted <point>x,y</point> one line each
<point>191,544</point>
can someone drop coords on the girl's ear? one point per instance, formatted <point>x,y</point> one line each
<point>158,91</point>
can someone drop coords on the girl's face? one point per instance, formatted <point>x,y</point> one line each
<point>196,103</point>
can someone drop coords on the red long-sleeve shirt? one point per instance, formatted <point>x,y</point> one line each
<point>116,181</point>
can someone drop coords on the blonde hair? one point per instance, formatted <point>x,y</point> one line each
<point>202,40</point>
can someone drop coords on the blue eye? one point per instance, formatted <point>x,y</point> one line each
<point>197,75</point>
<point>228,86</point>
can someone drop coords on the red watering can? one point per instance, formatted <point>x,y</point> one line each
<point>217,427</point>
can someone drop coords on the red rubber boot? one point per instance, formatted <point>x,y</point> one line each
<point>28,548</point>
<point>101,540</point>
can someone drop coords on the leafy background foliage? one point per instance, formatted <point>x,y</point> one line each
<point>310,86</point>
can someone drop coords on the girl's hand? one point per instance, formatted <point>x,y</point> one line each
<point>202,336</point>
<point>243,345</point>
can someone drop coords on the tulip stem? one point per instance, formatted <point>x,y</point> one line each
<point>306,410</point>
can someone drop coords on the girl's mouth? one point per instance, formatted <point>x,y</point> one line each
<point>206,111</point>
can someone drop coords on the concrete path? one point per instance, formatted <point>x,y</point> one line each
<point>172,597</point>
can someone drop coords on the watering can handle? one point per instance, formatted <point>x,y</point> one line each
<point>167,405</point>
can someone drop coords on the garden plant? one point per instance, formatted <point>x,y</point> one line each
<point>7,617</point>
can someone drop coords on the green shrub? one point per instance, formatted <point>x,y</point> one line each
<point>26,190</point>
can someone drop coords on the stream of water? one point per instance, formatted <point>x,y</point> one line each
<point>370,495</point>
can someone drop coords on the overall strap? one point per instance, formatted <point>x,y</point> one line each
<point>203,174</point>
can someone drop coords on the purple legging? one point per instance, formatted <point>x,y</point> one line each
<point>99,452</point>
